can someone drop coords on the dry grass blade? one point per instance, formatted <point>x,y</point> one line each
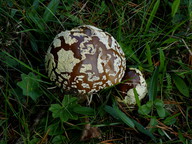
<point>112,140</point>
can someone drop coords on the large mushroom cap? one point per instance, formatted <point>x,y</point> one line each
<point>85,60</point>
<point>133,78</point>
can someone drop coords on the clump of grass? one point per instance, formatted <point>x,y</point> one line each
<point>155,36</point>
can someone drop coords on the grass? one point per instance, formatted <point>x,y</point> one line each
<point>156,38</point>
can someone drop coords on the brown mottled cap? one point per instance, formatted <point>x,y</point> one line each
<point>85,60</point>
<point>133,78</point>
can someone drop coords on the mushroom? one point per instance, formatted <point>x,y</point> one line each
<point>84,60</point>
<point>133,78</point>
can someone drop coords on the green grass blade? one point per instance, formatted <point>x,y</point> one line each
<point>152,15</point>
<point>73,18</point>
<point>129,52</point>
<point>175,7</point>
<point>50,10</point>
<point>171,119</point>
<point>122,116</point>
<point>119,31</point>
<point>173,29</point>
<point>181,85</point>
<point>25,65</point>
<point>181,137</point>
<point>118,114</point>
<point>162,60</point>
<point>34,19</point>
<point>159,105</point>
<point>125,118</point>
<point>84,110</point>
<point>153,85</point>
<point>35,4</point>
<point>188,120</point>
<point>144,130</point>
<point>136,97</point>
<point>149,56</point>
<point>111,111</point>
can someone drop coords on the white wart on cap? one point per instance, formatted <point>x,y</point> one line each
<point>85,60</point>
<point>133,78</point>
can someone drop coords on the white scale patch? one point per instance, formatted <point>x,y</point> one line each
<point>92,91</point>
<point>88,49</point>
<point>107,59</point>
<point>73,83</point>
<point>66,61</point>
<point>68,39</point>
<point>57,43</point>
<point>117,63</point>
<point>82,91</point>
<point>78,78</point>
<point>73,86</point>
<point>79,34</point>
<point>60,79</point>
<point>85,85</point>
<point>113,44</point>
<point>97,83</point>
<point>107,70</point>
<point>104,77</point>
<point>100,61</point>
<point>92,77</point>
<point>66,76</point>
<point>58,83</point>
<point>103,38</point>
<point>109,83</point>
<point>85,68</point>
<point>121,74</point>
<point>50,65</point>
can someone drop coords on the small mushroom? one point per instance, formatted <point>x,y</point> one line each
<point>133,78</point>
<point>85,60</point>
